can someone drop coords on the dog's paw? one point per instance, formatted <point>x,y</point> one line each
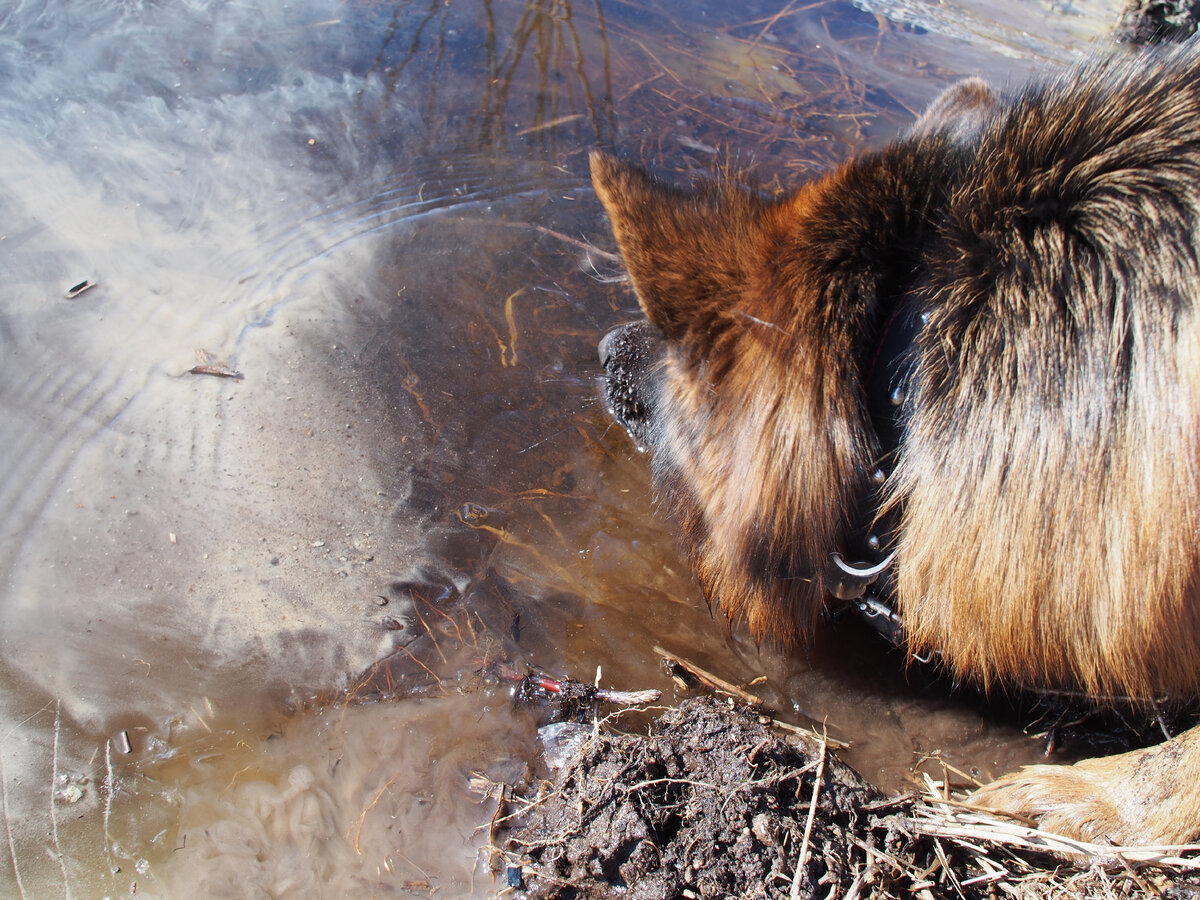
<point>1059,799</point>
<point>1149,796</point>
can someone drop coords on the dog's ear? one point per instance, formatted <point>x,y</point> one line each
<point>689,252</point>
<point>960,112</point>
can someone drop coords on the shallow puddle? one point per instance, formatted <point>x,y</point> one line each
<point>322,444</point>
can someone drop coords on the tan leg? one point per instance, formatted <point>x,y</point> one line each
<point>1149,796</point>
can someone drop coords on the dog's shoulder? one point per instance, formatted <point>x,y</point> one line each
<point>1097,161</point>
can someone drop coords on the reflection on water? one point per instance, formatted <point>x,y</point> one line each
<point>247,623</point>
<point>344,803</point>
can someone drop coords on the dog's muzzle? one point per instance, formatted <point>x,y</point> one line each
<point>629,354</point>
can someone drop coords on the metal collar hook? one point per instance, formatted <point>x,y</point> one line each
<point>880,617</point>
<point>849,582</point>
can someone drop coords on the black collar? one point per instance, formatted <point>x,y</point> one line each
<point>867,582</point>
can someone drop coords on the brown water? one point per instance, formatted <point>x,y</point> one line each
<point>378,214</point>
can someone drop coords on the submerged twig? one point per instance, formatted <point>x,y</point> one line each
<point>109,787</point>
<point>62,862</point>
<point>553,123</point>
<point>370,806</point>
<point>566,239</point>
<point>76,289</point>
<point>715,682</point>
<point>207,365</point>
<point>577,691</point>
<point>12,844</point>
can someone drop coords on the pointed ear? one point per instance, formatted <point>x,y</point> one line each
<point>688,252</point>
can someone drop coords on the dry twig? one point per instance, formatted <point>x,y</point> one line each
<point>802,859</point>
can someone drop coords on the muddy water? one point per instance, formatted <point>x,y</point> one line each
<point>247,621</point>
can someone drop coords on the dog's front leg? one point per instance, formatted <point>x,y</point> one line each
<point>1149,796</point>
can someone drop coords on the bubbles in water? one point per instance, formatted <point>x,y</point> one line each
<point>560,742</point>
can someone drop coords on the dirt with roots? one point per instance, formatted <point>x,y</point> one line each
<point>718,801</point>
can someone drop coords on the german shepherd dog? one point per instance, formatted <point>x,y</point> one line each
<point>965,367</point>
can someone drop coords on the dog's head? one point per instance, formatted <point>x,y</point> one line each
<point>740,385</point>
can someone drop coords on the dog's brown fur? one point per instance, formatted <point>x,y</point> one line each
<point>1047,481</point>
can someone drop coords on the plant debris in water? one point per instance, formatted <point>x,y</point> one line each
<point>566,698</point>
<point>713,803</point>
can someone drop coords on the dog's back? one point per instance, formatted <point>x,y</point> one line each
<point>1046,481</point>
<point>1048,477</point>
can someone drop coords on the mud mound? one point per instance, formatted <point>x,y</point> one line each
<point>711,804</point>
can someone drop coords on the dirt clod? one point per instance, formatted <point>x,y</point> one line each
<point>711,804</point>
